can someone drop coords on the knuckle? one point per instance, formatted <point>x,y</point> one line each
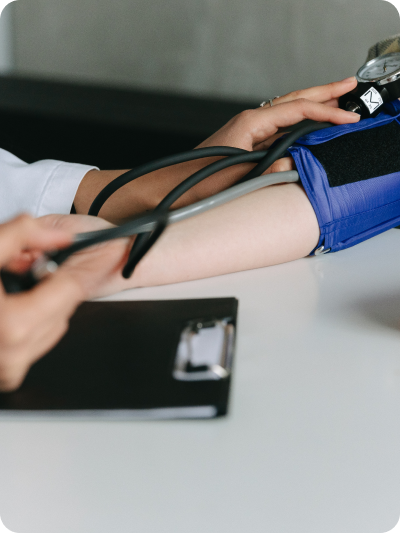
<point>243,120</point>
<point>295,95</point>
<point>24,220</point>
<point>303,104</point>
<point>19,223</point>
<point>24,223</point>
<point>246,116</point>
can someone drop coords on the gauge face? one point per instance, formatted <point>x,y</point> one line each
<point>380,67</point>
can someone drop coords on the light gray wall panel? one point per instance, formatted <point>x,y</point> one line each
<point>6,40</point>
<point>226,48</point>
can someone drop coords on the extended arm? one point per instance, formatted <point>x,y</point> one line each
<point>254,129</point>
<point>272,226</point>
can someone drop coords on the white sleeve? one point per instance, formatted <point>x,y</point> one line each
<point>40,188</point>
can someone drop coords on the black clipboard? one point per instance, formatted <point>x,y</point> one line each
<point>135,360</point>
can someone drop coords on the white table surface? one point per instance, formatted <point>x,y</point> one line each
<point>312,442</point>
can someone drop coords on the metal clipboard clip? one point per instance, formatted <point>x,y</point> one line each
<point>205,350</point>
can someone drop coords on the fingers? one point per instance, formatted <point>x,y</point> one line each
<point>265,124</point>
<point>320,94</point>
<point>293,112</point>
<point>332,103</point>
<point>25,232</point>
<point>26,314</point>
<point>57,295</point>
<point>32,323</point>
<point>330,113</point>
<point>268,142</point>
<point>282,165</point>
<point>23,261</point>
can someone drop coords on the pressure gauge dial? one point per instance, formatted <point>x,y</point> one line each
<point>378,82</point>
<point>381,70</point>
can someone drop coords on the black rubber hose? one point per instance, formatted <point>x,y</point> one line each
<point>135,255</point>
<point>143,247</point>
<point>278,151</point>
<point>267,159</point>
<point>14,283</point>
<point>198,153</point>
<point>96,237</point>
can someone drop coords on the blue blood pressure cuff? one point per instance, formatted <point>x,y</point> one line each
<point>351,175</point>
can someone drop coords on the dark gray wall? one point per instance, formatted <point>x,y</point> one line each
<point>240,49</point>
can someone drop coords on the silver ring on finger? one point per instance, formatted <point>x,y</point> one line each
<point>270,101</point>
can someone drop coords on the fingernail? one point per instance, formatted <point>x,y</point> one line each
<point>348,80</point>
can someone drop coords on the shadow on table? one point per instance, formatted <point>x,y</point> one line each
<point>383,310</point>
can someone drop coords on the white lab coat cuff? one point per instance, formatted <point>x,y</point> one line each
<point>59,191</point>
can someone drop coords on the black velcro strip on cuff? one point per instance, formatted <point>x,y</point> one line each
<point>360,155</point>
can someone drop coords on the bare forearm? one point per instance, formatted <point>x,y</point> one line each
<point>268,227</point>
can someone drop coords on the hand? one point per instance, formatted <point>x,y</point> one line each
<point>31,323</point>
<point>265,124</point>
<point>326,94</point>
<point>97,269</point>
